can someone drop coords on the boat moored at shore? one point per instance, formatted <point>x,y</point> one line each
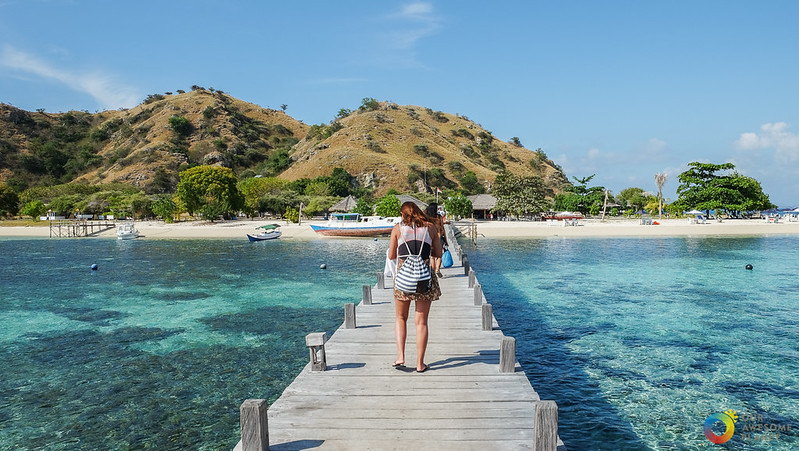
<point>354,224</point>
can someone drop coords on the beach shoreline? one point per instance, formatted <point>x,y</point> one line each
<point>590,228</point>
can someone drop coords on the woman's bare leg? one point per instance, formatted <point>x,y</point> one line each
<point>400,328</point>
<point>422,312</point>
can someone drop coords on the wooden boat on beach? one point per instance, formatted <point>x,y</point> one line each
<point>353,224</point>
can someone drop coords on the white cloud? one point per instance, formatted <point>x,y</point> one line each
<point>772,136</point>
<point>101,87</point>
<point>407,27</point>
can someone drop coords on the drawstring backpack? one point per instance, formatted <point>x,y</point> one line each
<point>413,276</point>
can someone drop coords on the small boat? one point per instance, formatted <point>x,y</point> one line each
<point>127,231</point>
<point>353,224</point>
<point>267,232</point>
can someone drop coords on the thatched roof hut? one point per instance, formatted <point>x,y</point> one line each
<point>346,204</point>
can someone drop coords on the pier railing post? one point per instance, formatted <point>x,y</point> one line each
<point>466,266</point>
<point>488,317</point>
<point>472,278</point>
<point>349,316</point>
<point>381,281</point>
<point>316,344</point>
<point>254,425</point>
<point>367,295</point>
<point>545,426</point>
<point>478,294</point>
<point>507,355</point>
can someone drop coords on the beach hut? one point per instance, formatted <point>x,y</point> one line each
<point>406,198</point>
<point>346,204</point>
<point>482,204</point>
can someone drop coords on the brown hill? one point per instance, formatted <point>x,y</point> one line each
<point>411,147</point>
<point>383,144</point>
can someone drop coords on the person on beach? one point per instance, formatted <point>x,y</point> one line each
<point>435,218</point>
<point>417,234</point>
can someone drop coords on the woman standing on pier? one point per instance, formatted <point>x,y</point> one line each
<point>418,235</point>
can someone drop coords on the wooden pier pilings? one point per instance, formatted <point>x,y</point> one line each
<point>474,395</point>
<point>71,228</point>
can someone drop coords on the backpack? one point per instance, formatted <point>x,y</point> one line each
<point>414,275</point>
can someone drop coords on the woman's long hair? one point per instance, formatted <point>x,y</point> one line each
<point>412,215</point>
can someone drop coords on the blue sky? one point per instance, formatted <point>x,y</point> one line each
<point>620,89</point>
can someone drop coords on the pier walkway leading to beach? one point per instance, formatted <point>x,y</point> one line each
<point>464,401</point>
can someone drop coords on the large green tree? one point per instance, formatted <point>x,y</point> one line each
<point>458,206</point>
<point>581,197</point>
<point>633,198</point>
<point>211,189</point>
<point>708,186</point>
<point>388,206</point>
<point>519,196</point>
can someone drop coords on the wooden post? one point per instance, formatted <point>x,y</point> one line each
<point>349,316</point>
<point>478,294</point>
<point>472,277</point>
<point>545,426</point>
<point>254,426</point>
<point>367,295</point>
<point>507,355</point>
<point>316,345</point>
<point>466,266</point>
<point>488,317</point>
<point>381,281</point>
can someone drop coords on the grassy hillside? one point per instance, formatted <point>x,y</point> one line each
<point>414,148</point>
<point>409,148</point>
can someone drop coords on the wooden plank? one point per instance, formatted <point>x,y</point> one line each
<point>464,401</point>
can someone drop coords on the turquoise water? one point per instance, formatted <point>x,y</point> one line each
<point>158,348</point>
<point>638,340</point>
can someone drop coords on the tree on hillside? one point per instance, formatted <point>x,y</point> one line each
<point>181,126</point>
<point>519,196</point>
<point>210,189</point>
<point>703,188</point>
<point>9,200</point>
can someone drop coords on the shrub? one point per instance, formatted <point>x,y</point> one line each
<point>369,104</point>
<point>181,126</point>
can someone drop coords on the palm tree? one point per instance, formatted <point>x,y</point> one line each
<point>660,179</point>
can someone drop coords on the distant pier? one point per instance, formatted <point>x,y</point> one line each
<point>70,228</point>
<point>474,396</point>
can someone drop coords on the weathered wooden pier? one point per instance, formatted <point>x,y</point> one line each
<point>71,228</point>
<point>474,396</point>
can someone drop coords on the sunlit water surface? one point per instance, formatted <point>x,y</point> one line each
<point>638,340</point>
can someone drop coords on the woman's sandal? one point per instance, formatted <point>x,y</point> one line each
<point>398,365</point>
<point>426,367</point>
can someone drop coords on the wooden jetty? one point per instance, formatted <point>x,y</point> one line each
<point>70,228</point>
<point>474,396</point>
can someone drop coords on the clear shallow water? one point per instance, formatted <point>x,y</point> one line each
<point>639,340</point>
<point>159,347</point>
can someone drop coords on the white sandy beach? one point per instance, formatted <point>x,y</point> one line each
<point>485,229</point>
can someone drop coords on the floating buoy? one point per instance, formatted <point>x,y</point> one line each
<point>94,267</point>
<point>749,267</point>
<point>323,266</point>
